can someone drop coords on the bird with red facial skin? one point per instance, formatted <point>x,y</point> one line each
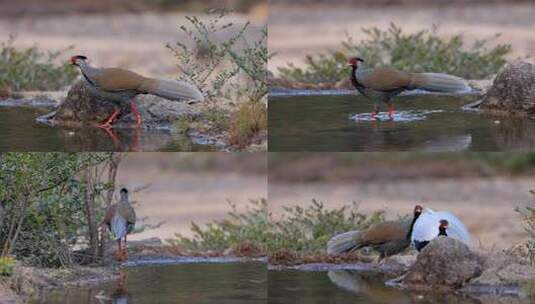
<point>122,86</point>
<point>429,226</point>
<point>381,84</point>
<point>388,238</point>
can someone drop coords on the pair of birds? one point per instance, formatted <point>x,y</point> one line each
<point>392,237</point>
<point>381,84</point>
<point>120,218</point>
<point>121,86</point>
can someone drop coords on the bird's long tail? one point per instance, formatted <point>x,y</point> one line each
<point>344,242</point>
<point>173,90</point>
<point>118,227</point>
<point>438,82</point>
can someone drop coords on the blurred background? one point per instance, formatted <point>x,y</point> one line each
<point>483,189</point>
<point>127,33</point>
<point>301,27</point>
<point>178,188</point>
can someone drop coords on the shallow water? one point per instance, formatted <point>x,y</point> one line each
<point>422,122</point>
<point>20,132</point>
<point>243,282</point>
<point>345,286</point>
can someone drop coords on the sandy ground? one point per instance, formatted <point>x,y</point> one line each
<point>297,31</point>
<point>179,198</point>
<point>485,205</point>
<point>134,41</point>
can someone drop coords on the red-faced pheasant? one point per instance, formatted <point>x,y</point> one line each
<point>121,219</point>
<point>381,84</point>
<point>389,238</point>
<point>122,86</point>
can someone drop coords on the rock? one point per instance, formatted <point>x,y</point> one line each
<point>82,107</point>
<point>513,90</point>
<point>444,263</point>
<point>504,269</point>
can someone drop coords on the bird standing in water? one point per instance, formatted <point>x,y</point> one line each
<point>122,86</point>
<point>389,238</point>
<point>121,219</point>
<point>381,84</point>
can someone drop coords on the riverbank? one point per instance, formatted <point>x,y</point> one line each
<point>206,124</point>
<point>28,282</point>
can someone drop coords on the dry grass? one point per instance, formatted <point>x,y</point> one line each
<point>249,120</point>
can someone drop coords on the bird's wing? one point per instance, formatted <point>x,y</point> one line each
<point>386,79</point>
<point>426,227</point>
<point>109,214</point>
<point>130,215</point>
<point>456,228</point>
<point>385,232</point>
<point>116,79</point>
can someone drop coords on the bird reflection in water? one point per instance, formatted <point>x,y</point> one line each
<point>120,295</point>
<point>370,288</point>
<point>132,142</point>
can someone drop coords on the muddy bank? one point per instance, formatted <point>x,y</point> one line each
<point>29,282</point>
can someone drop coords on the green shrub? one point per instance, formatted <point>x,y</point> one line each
<point>528,221</point>
<point>233,68</point>
<point>32,69</point>
<point>7,265</point>
<point>301,230</point>
<point>423,51</point>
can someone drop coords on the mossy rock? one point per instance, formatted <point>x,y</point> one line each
<point>513,90</point>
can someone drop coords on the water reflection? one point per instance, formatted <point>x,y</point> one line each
<point>235,283</point>
<point>428,122</point>
<point>20,132</point>
<point>357,287</point>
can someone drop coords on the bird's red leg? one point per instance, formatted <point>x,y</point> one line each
<point>375,112</point>
<point>107,123</point>
<point>125,251</point>
<point>114,138</point>
<point>135,110</point>
<point>119,250</point>
<point>391,110</point>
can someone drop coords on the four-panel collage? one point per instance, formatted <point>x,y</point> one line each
<point>267,151</point>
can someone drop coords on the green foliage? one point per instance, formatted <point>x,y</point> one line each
<point>32,69</point>
<point>7,265</point>
<point>231,68</point>
<point>423,51</point>
<point>302,230</point>
<point>528,221</point>
<point>43,199</point>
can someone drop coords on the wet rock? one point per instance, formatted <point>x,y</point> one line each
<point>443,263</point>
<point>82,107</point>
<point>513,90</point>
<point>504,269</point>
